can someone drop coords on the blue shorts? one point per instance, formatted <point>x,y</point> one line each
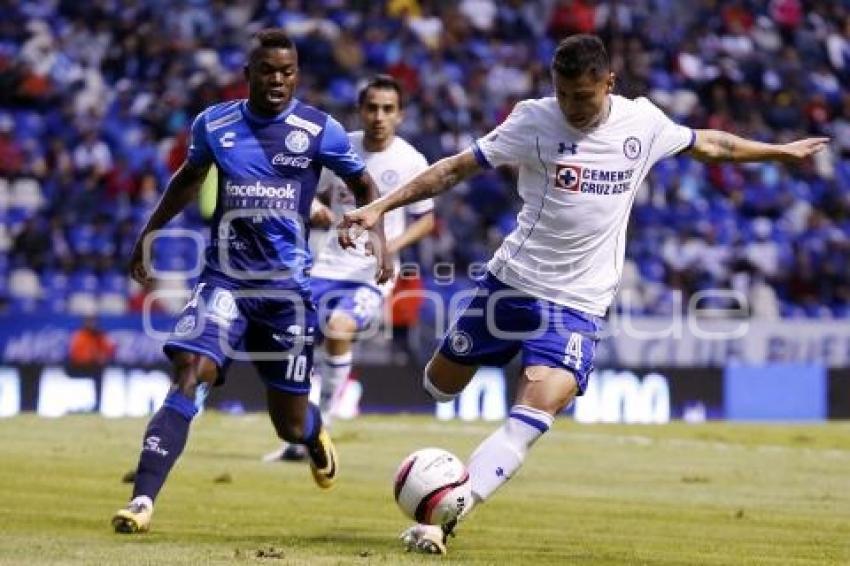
<point>362,302</point>
<point>498,321</point>
<point>272,328</point>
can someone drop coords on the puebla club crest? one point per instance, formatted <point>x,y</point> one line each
<point>297,141</point>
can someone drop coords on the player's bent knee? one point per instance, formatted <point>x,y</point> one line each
<point>341,327</point>
<point>434,391</point>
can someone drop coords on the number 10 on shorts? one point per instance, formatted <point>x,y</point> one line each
<point>296,367</point>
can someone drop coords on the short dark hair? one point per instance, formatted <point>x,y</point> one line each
<point>381,81</point>
<point>270,38</point>
<point>579,54</point>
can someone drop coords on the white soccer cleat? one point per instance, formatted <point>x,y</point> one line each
<point>135,517</point>
<point>425,539</point>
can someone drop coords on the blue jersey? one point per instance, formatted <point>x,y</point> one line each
<point>268,169</point>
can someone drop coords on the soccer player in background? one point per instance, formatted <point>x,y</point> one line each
<point>343,281</point>
<point>581,154</point>
<point>252,300</point>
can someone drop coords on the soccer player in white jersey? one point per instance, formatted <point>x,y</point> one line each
<point>343,281</point>
<point>581,154</point>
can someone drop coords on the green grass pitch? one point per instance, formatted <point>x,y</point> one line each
<point>676,494</point>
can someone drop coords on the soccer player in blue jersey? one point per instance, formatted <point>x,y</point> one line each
<point>253,298</point>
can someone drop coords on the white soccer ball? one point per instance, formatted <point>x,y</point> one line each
<point>432,486</point>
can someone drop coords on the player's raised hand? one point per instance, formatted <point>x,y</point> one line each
<point>355,222</point>
<point>801,149</point>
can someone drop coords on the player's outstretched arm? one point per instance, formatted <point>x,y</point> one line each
<point>182,188</point>
<point>715,145</point>
<point>436,179</point>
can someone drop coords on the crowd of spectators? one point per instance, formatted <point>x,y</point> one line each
<point>96,99</point>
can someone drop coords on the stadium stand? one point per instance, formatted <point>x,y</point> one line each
<point>96,99</point>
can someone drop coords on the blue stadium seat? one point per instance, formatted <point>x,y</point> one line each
<point>81,238</point>
<point>25,305</point>
<point>82,281</point>
<point>113,282</point>
<point>56,299</point>
<point>15,216</point>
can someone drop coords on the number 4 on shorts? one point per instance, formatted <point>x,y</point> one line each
<point>573,353</point>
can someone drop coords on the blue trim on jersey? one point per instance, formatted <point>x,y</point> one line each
<point>539,425</point>
<point>479,156</point>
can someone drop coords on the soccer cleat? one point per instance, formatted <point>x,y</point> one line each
<point>427,539</point>
<point>135,517</point>
<point>323,460</point>
<point>287,453</point>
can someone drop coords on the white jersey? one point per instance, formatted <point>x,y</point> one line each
<point>390,169</point>
<point>577,190</point>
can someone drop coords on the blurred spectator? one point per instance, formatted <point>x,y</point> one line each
<point>30,247</point>
<point>11,152</point>
<point>572,16</point>
<point>92,155</point>
<point>763,252</point>
<point>90,346</point>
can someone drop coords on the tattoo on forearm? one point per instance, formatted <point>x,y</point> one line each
<point>726,146</point>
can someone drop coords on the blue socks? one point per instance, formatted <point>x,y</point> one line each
<point>312,428</point>
<point>312,425</point>
<point>164,441</point>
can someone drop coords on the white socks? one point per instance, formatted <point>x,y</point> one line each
<point>143,500</point>
<point>502,453</point>
<point>334,371</point>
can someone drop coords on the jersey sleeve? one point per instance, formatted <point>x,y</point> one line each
<point>670,138</point>
<point>421,207</point>
<point>508,144</point>
<point>336,153</point>
<point>199,148</point>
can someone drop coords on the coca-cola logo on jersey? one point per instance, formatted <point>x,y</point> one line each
<point>300,161</point>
